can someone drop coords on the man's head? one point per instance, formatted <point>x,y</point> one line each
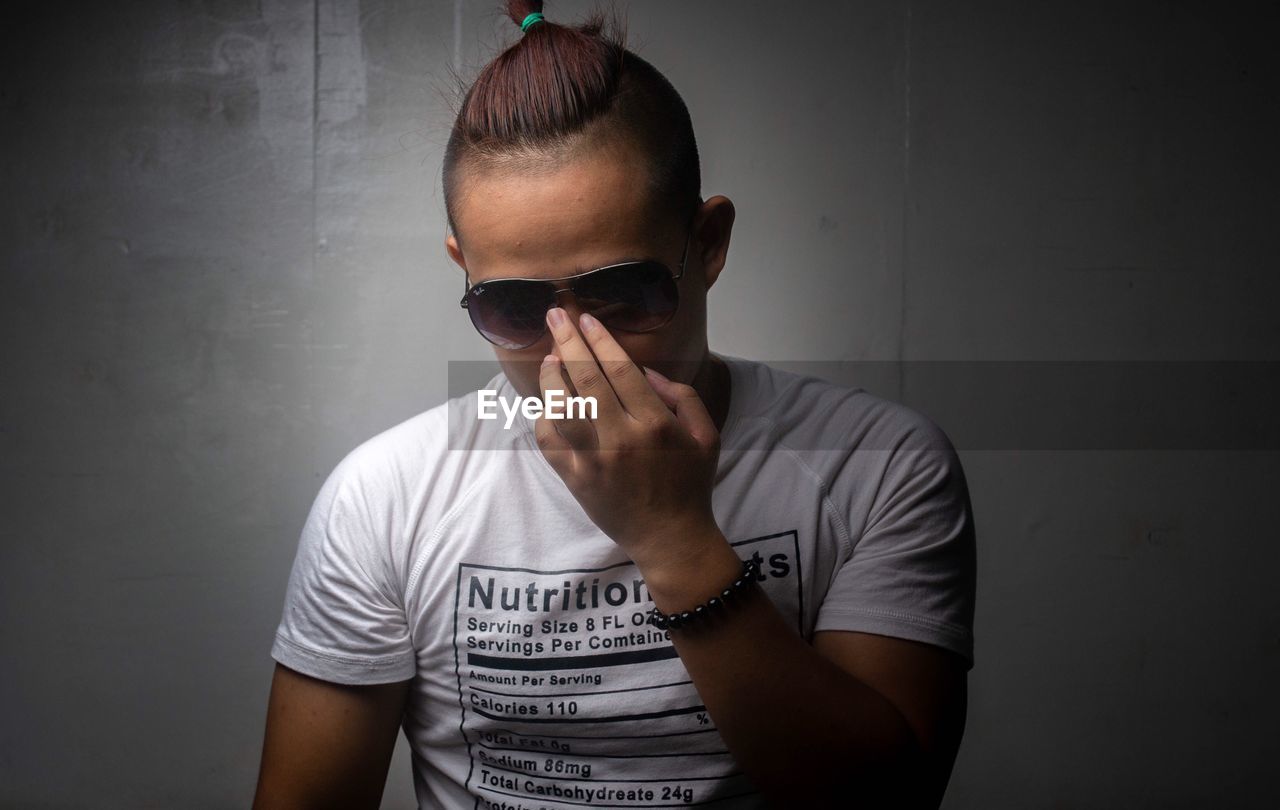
<point>571,153</point>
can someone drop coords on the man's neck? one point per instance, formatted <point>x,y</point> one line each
<point>712,382</point>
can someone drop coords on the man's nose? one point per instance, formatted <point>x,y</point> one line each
<point>566,300</point>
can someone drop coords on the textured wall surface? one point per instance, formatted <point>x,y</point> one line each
<point>223,268</point>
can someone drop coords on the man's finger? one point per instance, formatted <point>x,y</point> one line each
<point>688,406</point>
<point>577,433</point>
<point>633,391</point>
<point>587,376</point>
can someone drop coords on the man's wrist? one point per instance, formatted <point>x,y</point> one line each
<point>689,569</point>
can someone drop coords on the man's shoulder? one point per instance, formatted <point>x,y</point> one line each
<point>424,433</point>
<point>824,406</point>
<point>422,445</point>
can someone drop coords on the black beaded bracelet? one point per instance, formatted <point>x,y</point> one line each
<point>750,570</point>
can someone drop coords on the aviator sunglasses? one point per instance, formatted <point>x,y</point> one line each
<point>637,296</point>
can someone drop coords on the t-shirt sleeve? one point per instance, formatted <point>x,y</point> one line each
<point>344,617</point>
<point>911,574</point>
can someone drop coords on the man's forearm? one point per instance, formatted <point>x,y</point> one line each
<point>798,725</point>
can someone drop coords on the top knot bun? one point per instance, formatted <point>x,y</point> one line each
<point>519,10</point>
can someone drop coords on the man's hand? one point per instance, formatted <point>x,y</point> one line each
<point>643,470</point>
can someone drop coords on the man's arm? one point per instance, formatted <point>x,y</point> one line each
<point>327,745</point>
<point>811,728</point>
<point>855,720</point>
<point>927,684</point>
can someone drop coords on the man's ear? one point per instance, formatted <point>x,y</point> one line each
<point>712,228</point>
<point>455,252</point>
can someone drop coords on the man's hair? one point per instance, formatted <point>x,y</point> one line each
<point>560,89</point>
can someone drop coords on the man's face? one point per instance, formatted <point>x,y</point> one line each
<point>587,213</point>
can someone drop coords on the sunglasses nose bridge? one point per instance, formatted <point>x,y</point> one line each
<point>564,303</point>
<point>570,305</point>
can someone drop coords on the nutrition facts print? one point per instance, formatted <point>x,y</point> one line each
<point>569,699</point>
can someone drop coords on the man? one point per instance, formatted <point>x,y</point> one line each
<point>505,593</point>
<point>836,717</point>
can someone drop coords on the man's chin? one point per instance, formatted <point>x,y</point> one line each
<point>523,374</point>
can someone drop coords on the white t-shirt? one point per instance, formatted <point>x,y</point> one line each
<point>447,550</point>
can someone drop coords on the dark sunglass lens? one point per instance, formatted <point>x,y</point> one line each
<point>633,297</point>
<point>510,312</point>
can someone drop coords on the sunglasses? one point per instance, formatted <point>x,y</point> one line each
<point>629,297</point>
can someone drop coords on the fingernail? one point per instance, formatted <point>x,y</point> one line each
<point>588,323</point>
<point>556,316</point>
<point>548,360</point>
<point>648,370</point>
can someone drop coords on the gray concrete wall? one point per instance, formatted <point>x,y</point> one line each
<point>223,268</point>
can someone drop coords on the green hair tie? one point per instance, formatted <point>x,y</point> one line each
<point>530,21</point>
